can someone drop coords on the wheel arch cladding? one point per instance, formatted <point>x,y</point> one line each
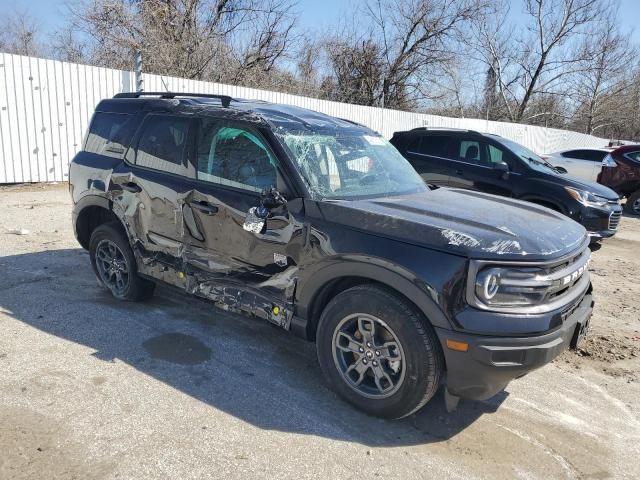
<point>89,218</point>
<point>325,284</point>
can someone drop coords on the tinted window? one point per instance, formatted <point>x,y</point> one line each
<point>591,155</point>
<point>595,155</point>
<point>109,134</point>
<point>634,156</point>
<point>569,154</point>
<point>234,155</point>
<point>435,145</point>
<point>162,143</point>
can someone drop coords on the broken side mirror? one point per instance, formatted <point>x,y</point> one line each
<point>256,218</point>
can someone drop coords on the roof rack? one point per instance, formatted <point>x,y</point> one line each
<point>446,129</point>
<point>224,99</point>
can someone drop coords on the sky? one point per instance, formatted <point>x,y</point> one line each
<point>314,14</point>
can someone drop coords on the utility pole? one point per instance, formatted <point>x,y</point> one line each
<point>139,80</point>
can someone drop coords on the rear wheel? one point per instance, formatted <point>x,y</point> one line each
<point>633,203</point>
<point>378,352</point>
<point>114,264</point>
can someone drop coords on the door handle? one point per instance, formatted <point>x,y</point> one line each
<point>204,207</point>
<point>131,187</point>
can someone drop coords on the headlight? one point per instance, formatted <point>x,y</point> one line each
<point>586,198</point>
<point>511,287</point>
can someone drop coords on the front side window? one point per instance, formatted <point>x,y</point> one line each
<point>162,143</point>
<point>109,134</point>
<point>595,155</point>
<point>532,159</point>
<point>234,155</point>
<point>470,151</point>
<point>350,163</point>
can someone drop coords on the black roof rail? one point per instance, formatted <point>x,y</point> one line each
<point>445,129</point>
<point>224,99</point>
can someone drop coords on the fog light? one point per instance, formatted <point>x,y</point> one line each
<point>276,310</point>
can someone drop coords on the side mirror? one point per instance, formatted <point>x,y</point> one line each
<point>272,198</point>
<point>501,167</point>
<point>256,218</point>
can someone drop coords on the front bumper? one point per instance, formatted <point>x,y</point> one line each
<point>601,222</point>
<point>490,363</point>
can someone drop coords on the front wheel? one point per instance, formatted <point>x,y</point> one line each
<point>115,265</point>
<point>378,352</point>
<point>633,203</point>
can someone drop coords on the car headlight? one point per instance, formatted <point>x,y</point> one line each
<point>511,287</point>
<point>586,198</point>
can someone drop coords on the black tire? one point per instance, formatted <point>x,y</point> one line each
<point>633,203</point>
<point>421,368</point>
<point>134,288</point>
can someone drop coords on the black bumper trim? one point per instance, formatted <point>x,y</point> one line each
<point>491,363</point>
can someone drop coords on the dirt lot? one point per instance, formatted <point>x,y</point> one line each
<point>92,388</point>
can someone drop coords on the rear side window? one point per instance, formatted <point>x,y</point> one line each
<point>162,143</point>
<point>235,155</point>
<point>590,155</point>
<point>635,156</point>
<point>110,134</point>
<point>435,145</point>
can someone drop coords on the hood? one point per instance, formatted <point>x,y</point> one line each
<point>579,184</point>
<point>472,224</point>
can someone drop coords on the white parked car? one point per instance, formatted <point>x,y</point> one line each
<point>583,163</point>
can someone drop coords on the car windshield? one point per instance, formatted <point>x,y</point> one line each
<point>351,164</point>
<point>531,158</point>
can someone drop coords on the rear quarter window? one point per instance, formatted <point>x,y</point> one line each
<point>110,134</point>
<point>435,145</point>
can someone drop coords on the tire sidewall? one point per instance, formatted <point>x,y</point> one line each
<point>108,232</point>
<point>417,383</point>
<point>631,199</point>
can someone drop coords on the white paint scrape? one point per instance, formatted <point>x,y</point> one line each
<point>459,238</point>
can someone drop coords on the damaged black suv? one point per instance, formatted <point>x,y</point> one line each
<point>320,226</point>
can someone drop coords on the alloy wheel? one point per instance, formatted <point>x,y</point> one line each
<point>368,356</point>
<point>112,266</point>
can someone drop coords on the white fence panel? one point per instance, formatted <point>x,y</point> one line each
<point>46,106</point>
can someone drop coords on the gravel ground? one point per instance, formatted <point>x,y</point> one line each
<point>91,388</point>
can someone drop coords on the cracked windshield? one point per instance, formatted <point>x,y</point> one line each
<point>352,165</point>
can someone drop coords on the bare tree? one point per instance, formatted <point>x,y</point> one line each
<point>20,35</point>
<point>553,24</point>
<point>605,77</point>
<point>199,39</point>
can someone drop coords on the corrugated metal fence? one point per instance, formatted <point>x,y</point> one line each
<point>46,105</point>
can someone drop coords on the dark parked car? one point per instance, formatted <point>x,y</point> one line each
<point>623,175</point>
<point>492,164</point>
<point>319,226</point>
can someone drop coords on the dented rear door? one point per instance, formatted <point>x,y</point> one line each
<point>150,189</point>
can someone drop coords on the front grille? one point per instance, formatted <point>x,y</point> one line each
<point>614,220</point>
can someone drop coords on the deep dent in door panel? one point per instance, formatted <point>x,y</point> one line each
<point>233,284</point>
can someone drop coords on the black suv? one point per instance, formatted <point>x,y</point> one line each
<point>492,164</point>
<point>318,225</point>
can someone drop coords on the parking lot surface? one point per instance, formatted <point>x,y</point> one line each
<point>92,388</point>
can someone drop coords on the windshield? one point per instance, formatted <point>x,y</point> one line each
<point>530,157</point>
<point>351,164</point>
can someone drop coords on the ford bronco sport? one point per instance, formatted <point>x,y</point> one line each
<point>321,227</point>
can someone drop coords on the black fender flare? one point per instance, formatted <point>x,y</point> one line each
<point>90,201</point>
<point>377,270</point>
